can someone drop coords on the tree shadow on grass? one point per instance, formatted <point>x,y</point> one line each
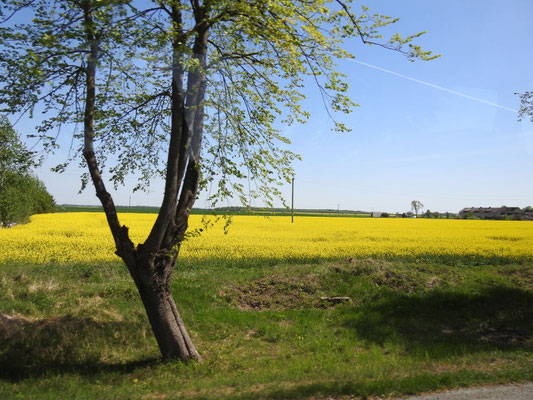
<point>438,324</point>
<point>444,323</point>
<point>66,344</point>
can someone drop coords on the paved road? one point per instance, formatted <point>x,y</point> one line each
<point>505,392</point>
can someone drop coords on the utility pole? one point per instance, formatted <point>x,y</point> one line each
<point>292,202</point>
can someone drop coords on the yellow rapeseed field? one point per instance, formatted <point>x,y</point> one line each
<point>85,237</point>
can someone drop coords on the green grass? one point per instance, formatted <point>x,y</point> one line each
<point>79,331</point>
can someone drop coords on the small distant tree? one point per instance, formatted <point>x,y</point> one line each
<point>528,209</point>
<point>416,206</point>
<point>385,215</point>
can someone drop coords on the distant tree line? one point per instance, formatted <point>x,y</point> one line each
<point>427,214</point>
<point>21,193</point>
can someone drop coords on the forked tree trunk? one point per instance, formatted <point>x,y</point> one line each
<point>151,264</point>
<point>168,327</point>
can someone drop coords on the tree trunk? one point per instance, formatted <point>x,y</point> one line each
<point>151,264</point>
<point>168,327</point>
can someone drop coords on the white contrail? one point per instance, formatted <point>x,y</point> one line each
<point>435,86</point>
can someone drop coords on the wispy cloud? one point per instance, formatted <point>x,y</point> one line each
<point>436,86</point>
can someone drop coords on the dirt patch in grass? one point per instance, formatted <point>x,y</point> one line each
<point>521,276</point>
<point>155,396</point>
<point>387,274</point>
<point>282,291</point>
<point>277,292</point>
<point>491,333</point>
<point>486,366</point>
<point>502,335</point>
<point>395,281</point>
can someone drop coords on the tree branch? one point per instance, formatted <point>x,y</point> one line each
<point>123,243</point>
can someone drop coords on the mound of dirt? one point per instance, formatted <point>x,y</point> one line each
<point>384,273</point>
<point>277,292</point>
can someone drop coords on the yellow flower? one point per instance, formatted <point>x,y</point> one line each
<point>85,237</point>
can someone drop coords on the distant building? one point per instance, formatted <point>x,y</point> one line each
<point>502,212</point>
<point>528,216</point>
<point>376,214</point>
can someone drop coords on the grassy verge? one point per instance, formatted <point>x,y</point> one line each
<point>267,331</point>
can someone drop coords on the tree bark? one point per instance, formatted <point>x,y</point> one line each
<point>152,278</point>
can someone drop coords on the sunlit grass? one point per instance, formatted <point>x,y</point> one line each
<point>79,331</point>
<point>432,304</point>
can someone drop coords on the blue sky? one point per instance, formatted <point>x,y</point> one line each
<point>409,141</point>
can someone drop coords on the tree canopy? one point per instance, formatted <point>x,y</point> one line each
<point>258,55</point>
<point>190,90</point>
<point>14,157</point>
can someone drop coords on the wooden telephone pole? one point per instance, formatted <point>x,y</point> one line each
<point>292,202</point>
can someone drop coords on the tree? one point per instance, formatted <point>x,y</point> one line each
<point>416,206</point>
<point>15,200</point>
<point>43,202</point>
<point>21,194</point>
<point>14,157</point>
<point>526,106</point>
<point>156,87</point>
